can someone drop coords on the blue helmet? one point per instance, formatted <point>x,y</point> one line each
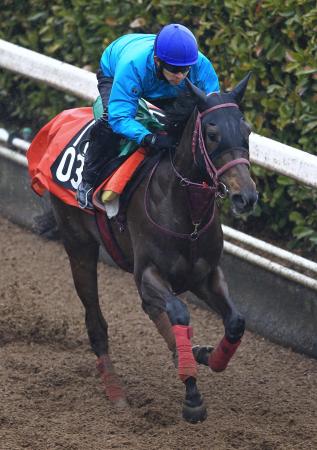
<point>176,45</point>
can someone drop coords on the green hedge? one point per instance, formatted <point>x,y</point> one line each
<point>275,39</point>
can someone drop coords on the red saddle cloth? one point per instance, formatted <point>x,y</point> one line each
<point>52,156</point>
<point>55,163</point>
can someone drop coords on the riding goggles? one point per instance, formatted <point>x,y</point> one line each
<point>175,69</point>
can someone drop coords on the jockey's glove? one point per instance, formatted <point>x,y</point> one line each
<point>159,141</point>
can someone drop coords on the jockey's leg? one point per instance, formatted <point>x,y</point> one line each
<point>214,292</point>
<point>171,317</point>
<point>103,146</point>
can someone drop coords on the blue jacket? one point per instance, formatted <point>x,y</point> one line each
<point>129,60</point>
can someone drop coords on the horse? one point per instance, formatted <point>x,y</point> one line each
<point>173,241</point>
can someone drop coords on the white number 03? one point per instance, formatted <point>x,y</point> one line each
<point>65,169</point>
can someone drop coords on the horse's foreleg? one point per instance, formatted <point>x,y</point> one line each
<point>83,261</point>
<point>171,317</point>
<point>214,291</point>
<point>164,327</point>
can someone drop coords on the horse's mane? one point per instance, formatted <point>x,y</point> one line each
<point>181,109</point>
<point>177,113</point>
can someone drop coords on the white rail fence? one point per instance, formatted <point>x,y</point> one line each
<point>265,152</point>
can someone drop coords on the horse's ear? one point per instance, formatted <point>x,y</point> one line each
<point>238,91</point>
<point>198,93</point>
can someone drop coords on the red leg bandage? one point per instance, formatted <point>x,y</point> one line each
<point>186,362</point>
<point>220,357</point>
<point>110,380</point>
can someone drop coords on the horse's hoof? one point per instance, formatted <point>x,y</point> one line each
<point>202,353</point>
<point>194,414</point>
<point>121,403</point>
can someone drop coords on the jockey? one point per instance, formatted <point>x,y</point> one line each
<point>141,65</point>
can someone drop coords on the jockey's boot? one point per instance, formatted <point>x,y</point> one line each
<point>94,159</point>
<point>86,186</point>
<point>84,195</point>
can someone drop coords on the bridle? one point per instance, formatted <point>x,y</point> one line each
<point>214,173</point>
<point>207,192</point>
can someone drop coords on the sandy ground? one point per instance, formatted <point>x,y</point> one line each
<point>51,397</point>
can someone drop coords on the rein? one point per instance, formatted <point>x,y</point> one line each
<point>201,195</point>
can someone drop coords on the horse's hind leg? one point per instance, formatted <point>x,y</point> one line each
<point>171,318</point>
<point>83,253</point>
<point>214,291</point>
<point>83,261</point>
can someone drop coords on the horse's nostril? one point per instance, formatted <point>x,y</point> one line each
<point>244,202</point>
<point>239,201</point>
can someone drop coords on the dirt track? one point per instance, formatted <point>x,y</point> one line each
<point>51,397</point>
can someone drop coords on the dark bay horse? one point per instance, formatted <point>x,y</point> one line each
<point>173,240</point>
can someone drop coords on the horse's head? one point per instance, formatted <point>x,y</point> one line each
<point>220,144</point>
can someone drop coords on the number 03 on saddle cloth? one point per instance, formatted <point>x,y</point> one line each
<point>56,155</point>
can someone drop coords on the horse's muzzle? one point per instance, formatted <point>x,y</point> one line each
<point>243,202</point>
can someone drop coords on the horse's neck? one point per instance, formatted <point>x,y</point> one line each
<point>183,162</point>
<point>166,185</point>
<point>184,158</point>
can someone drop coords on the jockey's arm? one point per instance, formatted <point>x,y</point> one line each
<point>123,104</point>
<point>207,79</point>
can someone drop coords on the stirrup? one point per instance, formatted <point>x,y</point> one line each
<point>88,204</point>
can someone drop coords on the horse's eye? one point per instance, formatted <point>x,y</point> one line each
<point>212,133</point>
